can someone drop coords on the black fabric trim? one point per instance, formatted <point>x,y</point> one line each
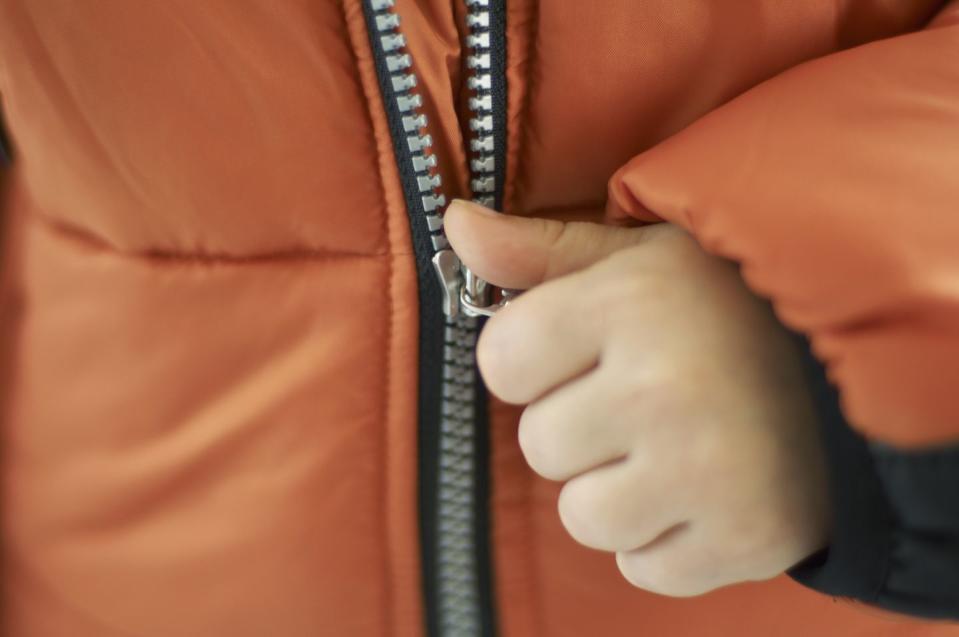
<point>923,489</point>
<point>895,537</point>
<point>498,46</point>
<point>854,565</point>
<point>484,512</point>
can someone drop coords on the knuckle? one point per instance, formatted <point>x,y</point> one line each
<point>495,363</point>
<point>542,448</point>
<point>589,517</point>
<point>509,352</point>
<point>558,237</point>
<point>661,575</point>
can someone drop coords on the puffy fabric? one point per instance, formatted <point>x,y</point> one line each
<point>835,186</point>
<point>210,320</point>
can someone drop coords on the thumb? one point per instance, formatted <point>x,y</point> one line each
<point>521,252</point>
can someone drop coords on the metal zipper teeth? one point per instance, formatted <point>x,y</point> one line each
<point>460,603</point>
<point>482,124</point>
<point>456,609</point>
<point>403,81</point>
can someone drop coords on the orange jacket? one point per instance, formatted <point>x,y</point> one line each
<point>211,323</point>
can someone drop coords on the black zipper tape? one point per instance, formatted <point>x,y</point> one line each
<point>431,332</point>
<point>499,92</point>
<point>484,483</point>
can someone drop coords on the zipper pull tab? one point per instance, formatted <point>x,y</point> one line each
<point>471,307</point>
<point>448,270</point>
<point>463,291</point>
<point>476,295</point>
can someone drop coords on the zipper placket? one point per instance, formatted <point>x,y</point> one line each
<point>453,437</point>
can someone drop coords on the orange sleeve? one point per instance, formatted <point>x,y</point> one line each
<point>836,186</point>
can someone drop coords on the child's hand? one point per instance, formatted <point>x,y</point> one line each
<point>661,390</point>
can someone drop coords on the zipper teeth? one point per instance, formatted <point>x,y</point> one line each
<point>403,82</point>
<point>480,82</point>
<point>458,586</point>
<point>458,603</point>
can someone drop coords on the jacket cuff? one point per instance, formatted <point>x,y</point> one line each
<point>895,536</point>
<point>855,563</point>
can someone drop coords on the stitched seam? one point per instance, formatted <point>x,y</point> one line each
<point>94,244</point>
<point>383,450</point>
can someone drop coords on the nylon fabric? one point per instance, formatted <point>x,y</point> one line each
<point>210,427</point>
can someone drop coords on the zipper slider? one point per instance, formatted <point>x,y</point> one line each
<point>448,270</point>
<point>463,291</point>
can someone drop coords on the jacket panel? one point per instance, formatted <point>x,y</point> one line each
<point>604,83</point>
<point>228,478</point>
<point>180,127</point>
<point>249,467</point>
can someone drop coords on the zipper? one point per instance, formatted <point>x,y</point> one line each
<point>453,435</point>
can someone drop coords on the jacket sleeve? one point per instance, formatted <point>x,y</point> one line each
<point>895,540</point>
<point>836,187</point>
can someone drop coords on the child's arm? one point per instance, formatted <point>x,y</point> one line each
<point>836,186</point>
